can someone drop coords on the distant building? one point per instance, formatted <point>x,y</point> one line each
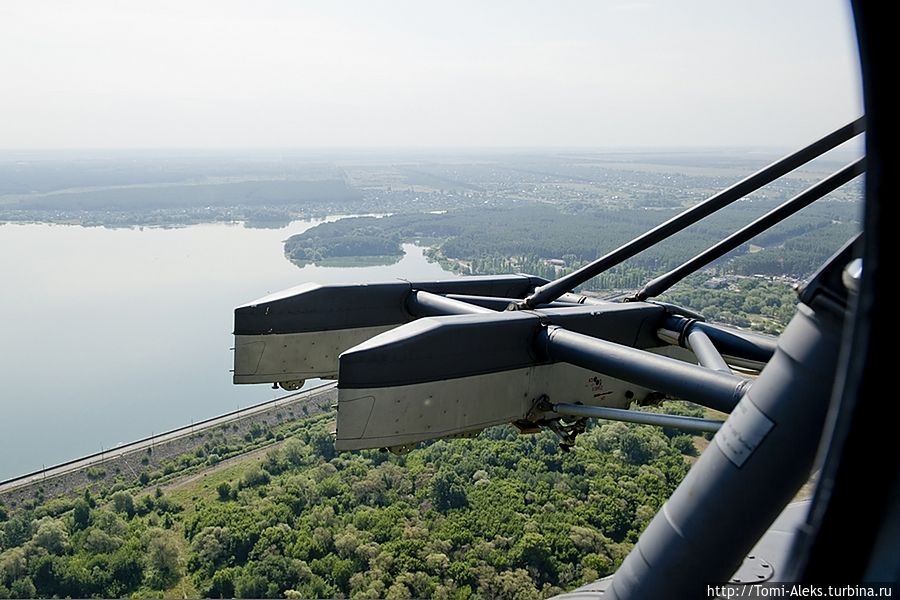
<point>715,283</point>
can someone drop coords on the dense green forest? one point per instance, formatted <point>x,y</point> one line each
<point>364,238</point>
<point>497,516</point>
<point>522,238</point>
<point>750,302</point>
<point>494,239</point>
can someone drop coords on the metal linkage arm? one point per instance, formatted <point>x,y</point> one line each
<point>707,354</point>
<point>501,303</point>
<point>739,348</point>
<point>426,304</point>
<point>802,200</point>
<point>713,389</point>
<point>554,289</point>
<point>635,416</point>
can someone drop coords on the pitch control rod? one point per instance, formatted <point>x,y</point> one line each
<point>635,416</point>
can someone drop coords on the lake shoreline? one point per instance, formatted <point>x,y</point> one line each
<point>135,463</point>
<point>140,324</point>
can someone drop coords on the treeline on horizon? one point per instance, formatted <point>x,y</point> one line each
<point>38,173</point>
<point>241,193</point>
<point>523,236</point>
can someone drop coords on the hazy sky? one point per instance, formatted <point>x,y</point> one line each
<point>369,73</point>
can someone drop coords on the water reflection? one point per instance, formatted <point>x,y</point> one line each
<point>115,334</point>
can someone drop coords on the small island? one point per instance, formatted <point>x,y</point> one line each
<point>355,239</point>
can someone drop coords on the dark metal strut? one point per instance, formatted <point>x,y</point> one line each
<point>775,216</point>
<point>555,289</point>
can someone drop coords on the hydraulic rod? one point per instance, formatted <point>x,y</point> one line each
<point>642,418</point>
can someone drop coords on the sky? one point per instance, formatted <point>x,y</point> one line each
<point>222,74</point>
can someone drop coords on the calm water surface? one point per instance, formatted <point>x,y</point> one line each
<point>110,335</point>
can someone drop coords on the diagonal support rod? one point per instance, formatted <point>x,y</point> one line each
<point>635,416</point>
<point>662,283</point>
<point>555,289</point>
<point>707,354</point>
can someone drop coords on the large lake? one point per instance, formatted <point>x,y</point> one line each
<point>109,335</point>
